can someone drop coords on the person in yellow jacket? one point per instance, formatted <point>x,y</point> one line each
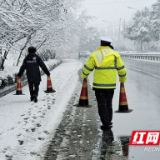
<point>106,63</point>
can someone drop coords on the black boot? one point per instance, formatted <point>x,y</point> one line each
<point>35,99</point>
<point>105,128</point>
<point>32,98</point>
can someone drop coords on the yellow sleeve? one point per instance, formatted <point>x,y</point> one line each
<point>88,67</point>
<point>121,70</point>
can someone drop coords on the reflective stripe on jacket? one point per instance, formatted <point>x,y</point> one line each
<point>106,63</point>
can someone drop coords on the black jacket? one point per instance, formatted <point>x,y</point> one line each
<point>31,63</point>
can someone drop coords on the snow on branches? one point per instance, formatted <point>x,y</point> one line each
<point>45,24</point>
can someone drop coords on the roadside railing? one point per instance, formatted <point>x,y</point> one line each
<point>150,57</point>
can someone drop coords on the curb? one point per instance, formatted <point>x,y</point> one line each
<point>9,89</point>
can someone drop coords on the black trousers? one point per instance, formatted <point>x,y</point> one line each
<point>104,99</point>
<point>33,88</point>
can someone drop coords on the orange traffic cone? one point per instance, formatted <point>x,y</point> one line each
<point>19,88</point>
<point>83,101</point>
<point>123,105</point>
<point>49,86</point>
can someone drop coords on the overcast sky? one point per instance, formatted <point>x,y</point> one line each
<point>114,10</point>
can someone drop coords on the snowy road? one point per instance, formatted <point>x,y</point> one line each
<point>34,131</point>
<point>142,89</point>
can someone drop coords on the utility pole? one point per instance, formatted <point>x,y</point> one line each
<point>124,25</point>
<point>119,29</point>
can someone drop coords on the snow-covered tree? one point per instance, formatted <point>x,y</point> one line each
<point>45,24</point>
<point>139,28</point>
<point>155,21</point>
<point>89,39</point>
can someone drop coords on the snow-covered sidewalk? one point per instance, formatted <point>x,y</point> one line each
<point>27,127</point>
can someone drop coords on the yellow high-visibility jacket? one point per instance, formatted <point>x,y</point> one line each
<point>106,63</point>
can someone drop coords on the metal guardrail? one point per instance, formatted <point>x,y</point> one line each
<point>151,57</point>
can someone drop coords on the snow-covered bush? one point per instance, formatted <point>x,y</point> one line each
<point>10,80</point>
<point>2,83</point>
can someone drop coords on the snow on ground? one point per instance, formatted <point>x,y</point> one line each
<point>137,52</point>
<point>27,127</point>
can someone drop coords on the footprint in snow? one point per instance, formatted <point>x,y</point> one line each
<point>33,152</point>
<point>33,129</point>
<point>5,149</point>
<point>29,111</point>
<point>43,113</point>
<point>26,118</point>
<point>19,134</point>
<point>46,132</point>
<point>12,128</point>
<point>38,125</point>
<point>34,117</point>
<point>8,155</point>
<point>41,138</point>
<point>20,142</point>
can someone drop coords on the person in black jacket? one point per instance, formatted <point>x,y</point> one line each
<point>31,64</point>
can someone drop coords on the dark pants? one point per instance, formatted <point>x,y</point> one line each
<point>104,99</point>
<point>33,88</point>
